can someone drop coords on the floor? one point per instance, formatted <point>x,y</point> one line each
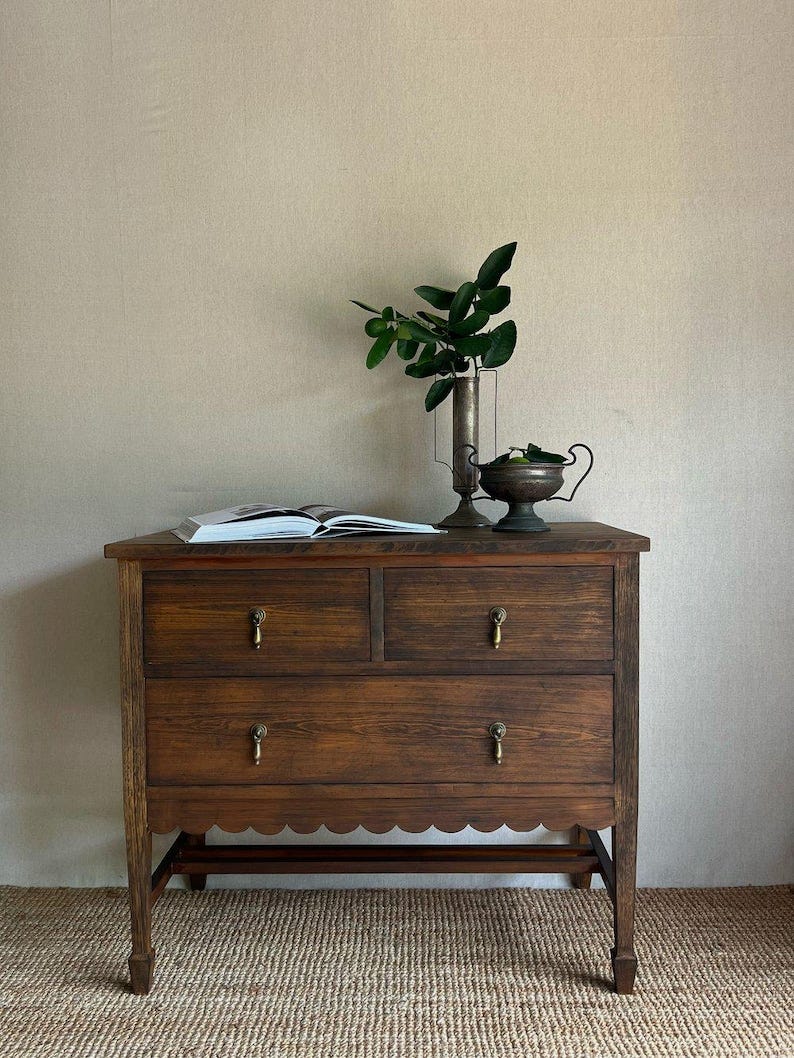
<point>419,973</point>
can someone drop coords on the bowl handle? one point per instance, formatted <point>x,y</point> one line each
<point>570,463</point>
<point>470,458</point>
<point>477,466</point>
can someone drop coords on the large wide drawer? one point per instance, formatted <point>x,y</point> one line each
<point>552,612</point>
<point>308,614</point>
<point>380,730</point>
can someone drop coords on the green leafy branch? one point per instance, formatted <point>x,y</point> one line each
<point>433,345</point>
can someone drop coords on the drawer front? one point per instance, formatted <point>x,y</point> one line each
<point>552,612</point>
<point>380,730</point>
<point>310,614</point>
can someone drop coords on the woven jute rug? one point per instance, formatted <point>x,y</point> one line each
<point>385,972</point>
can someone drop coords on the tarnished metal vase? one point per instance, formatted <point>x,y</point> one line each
<point>465,444</point>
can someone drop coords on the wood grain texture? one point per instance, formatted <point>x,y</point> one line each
<point>313,614</point>
<point>133,734</point>
<point>579,836</point>
<point>426,667</point>
<point>378,808</point>
<point>377,680</point>
<point>564,536</point>
<point>196,879</point>
<point>376,613</point>
<point>605,865</point>
<point>387,561</point>
<point>427,730</point>
<point>624,832</point>
<point>164,870</point>
<point>552,613</point>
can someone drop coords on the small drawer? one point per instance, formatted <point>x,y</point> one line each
<point>380,730</point>
<point>550,612</point>
<point>308,614</point>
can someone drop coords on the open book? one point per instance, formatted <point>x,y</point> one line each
<point>263,521</point>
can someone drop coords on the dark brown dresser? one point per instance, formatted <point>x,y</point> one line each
<point>473,678</point>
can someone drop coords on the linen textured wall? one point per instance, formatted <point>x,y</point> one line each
<point>190,192</point>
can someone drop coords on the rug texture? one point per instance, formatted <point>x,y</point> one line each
<point>384,972</point>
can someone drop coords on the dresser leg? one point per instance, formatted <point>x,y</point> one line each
<point>139,868</point>
<point>579,836</point>
<point>197,882</point>
<point>133,731</point>
<point>141,967</point>
<point>624,856</point>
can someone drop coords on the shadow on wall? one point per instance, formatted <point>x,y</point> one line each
<point>63,750</point>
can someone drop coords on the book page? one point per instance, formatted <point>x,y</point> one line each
<point>347,521</point>
<point>243,513</point>
<point>323,513</point>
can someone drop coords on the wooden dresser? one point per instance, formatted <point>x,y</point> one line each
<point>413,681</point>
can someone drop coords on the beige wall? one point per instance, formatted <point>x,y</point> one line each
<point>191,191</point>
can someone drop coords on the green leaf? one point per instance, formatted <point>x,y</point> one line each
<point>503,342</point>
<point>366,308</point>
<point>539,456</point>
<point>439,391</point>
<point>437,365</point>
<point>472,323</point>
<point>495,300</point>
<point>495,266</point>
<point>422,369</point>
<point>475,346</point>
<point>435,296</point>
<point>420,333</point>
<point>461,303</point>
<point>428,352</point>
<point>437,321</point>
<point>388,314</point>
<point>381,347</point>
<point>406,350</point>
<point>375,326</point>
<point>403,332</point>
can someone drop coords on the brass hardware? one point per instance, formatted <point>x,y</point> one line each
<point>498,616</point>
<point>497,732</point>
<point>258,732</point>
<point>257,616</point>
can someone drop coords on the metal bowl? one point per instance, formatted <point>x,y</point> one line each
<point>522,484</point>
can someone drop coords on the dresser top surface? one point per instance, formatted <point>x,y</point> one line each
<point>563,537</point>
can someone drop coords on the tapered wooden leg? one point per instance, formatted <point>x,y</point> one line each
<point>624,856</point>
<point>624,833</point>
<point>197,882</point>
<point>579,837</point>
<point>139,838</point>
<point>139,874</point>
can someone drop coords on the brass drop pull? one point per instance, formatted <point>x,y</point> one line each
<point>497,732</point>
<point>258,732</point>
<point>256,617</point>
<point>498,617</point>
